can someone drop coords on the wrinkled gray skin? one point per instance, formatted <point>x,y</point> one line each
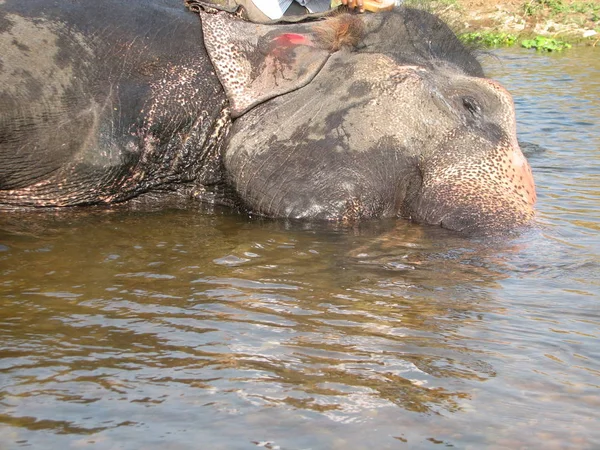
<point>104,101</point>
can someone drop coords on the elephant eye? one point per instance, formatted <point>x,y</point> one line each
<point>471,106</point>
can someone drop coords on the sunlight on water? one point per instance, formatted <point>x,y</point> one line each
<point>186,329</point>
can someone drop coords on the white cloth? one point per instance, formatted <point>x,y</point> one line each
<point>274,9</point>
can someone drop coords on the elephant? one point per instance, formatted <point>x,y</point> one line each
<point>347,118</point>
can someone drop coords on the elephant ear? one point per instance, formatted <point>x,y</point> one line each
<point>258,62</point>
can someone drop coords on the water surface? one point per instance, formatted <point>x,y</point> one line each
<point>193,329</point>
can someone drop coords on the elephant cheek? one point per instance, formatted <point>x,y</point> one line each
<point>493,193</point>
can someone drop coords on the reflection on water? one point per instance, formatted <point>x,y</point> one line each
<point>186,329</point>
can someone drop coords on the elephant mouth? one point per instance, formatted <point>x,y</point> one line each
<point>481,215</point>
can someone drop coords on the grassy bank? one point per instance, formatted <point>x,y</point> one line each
<point>545,25</point>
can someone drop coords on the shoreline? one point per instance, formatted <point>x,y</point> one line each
<point>550,25</point>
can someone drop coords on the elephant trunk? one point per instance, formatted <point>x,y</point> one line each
<point>492,191</point>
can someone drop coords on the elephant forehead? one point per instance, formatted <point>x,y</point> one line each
<point>357,100</point>
<point>374,87</point>
<point>344,71</point>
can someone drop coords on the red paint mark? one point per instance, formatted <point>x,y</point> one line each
<point>292,39</point>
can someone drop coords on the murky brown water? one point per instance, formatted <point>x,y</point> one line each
<point>185,329</point>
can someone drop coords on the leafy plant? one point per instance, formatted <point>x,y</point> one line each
<point>545,44</point>
<point>489,39</point>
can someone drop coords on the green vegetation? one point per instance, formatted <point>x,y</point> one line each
<point>489,39</point>
<point>534,7</point>
<point>568,19</point>
<point>545,44</point>
<point>554,7</point>
<point>495,39</point>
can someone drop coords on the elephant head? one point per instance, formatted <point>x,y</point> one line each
<point>357,117</point>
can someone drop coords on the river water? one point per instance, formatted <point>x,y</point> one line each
<point>196,329</point>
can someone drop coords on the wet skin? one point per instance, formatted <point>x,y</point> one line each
<point>107,103</point>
